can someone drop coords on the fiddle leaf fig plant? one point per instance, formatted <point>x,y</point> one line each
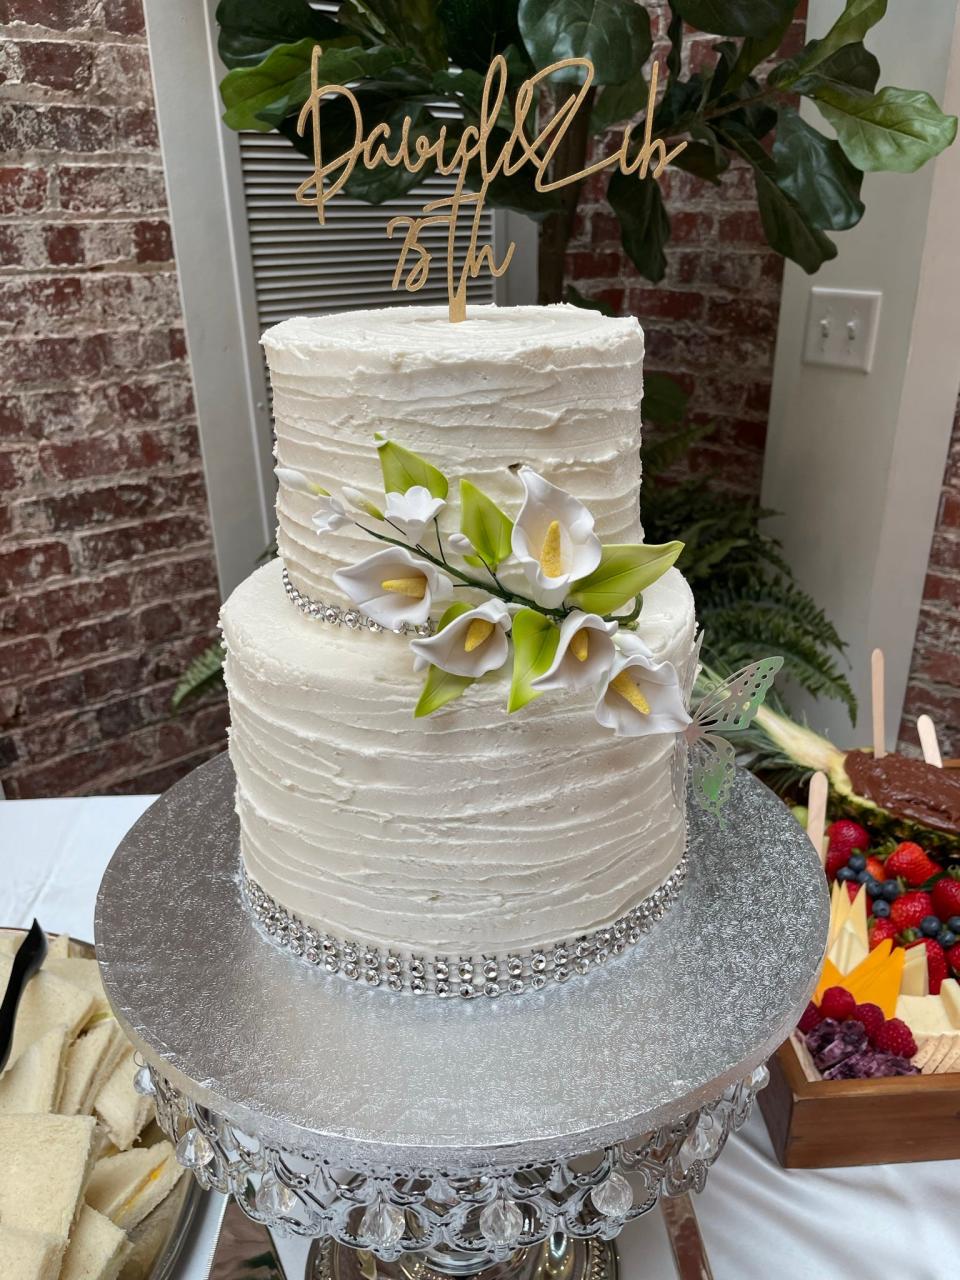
<point>419,58</point>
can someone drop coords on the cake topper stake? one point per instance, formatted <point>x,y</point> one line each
<point>473,147</point>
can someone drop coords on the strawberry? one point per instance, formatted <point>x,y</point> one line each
<point>909,862</point>
<point>936,962</point>
<point>872,1019</point>
<point>953,958</point>
<point>946,897</point>
<point>847,836</point>
<point>896,1037</point>
<point>812,1017</point>
<point>909,909</point>
<point>876,869</point>
<point>836,858</point>
<point>882,930</point>
<point>838,1003</point>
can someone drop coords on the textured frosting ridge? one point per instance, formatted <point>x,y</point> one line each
<point>469,832</point>
<point>558,388</point>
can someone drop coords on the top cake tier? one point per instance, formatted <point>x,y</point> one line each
<point>558,388</point>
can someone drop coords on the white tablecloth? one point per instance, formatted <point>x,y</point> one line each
<point>758,1220</point>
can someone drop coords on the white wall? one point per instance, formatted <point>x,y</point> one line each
<point>854,460</point>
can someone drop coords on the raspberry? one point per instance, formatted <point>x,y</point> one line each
<point>909,862</point>
<point>909,909</point>
<point>883,929</point>
<point>936,963</point>
<point>812,1017</point>
<point>896,1037</point>
<point>871,1016</point>
<point>837,1003</point>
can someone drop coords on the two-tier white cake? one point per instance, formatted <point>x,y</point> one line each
<point>470,840</point>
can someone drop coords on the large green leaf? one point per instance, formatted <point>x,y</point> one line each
<point>644,224</point>
<point>754,50</point>
<point>619,102</point>
<point>895,130</point>
<point>261,97</point>
<point>854,64</point>
<point>664,400</point>
<point>466,87</point>
<point>403,469</point>
<point>441,687</point>
<point>624,571</point>
<point>535,640</point>
<point>703,159</point>
<point>249,29</point>
<point>735,17</point>
<point>478,29</point>
<point>854,22</point>
<point>785,224</point>
<point>517,191</point>
<point>614,35</point>
<point>487,527</point>
<point>814,172</point>
<point>410,24</point>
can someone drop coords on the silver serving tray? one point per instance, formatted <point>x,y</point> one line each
<point>188,1191</point>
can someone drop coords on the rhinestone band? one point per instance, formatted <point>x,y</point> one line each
<point>463,976</point>
<point>317,611</point>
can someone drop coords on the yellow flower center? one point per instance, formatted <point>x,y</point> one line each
<point>478,631</point>
<point>550,559</point>
<point>580,644</point>
<point>416,587</point>
<point>627,689</point>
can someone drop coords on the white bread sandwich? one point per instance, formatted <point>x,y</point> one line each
<point>127,1186</point>
<point>91,1061</point>
<point>97,1249</point>
<point>35,1080</point>
<point>47,1002</point>
<point>84,974</point>
<point>122,1111</point>
<point>46,1165</point>
<point>29,1255</point>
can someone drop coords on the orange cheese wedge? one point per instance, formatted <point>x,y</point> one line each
<point>831,977</point>
<point>883,986</point>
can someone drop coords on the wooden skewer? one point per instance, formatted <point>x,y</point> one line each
<point>928,741</point>
<point>817,813</point>
<point>876,694</point>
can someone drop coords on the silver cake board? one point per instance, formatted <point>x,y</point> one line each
<point>275,1078</point>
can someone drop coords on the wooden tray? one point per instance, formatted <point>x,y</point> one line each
<point>816,1124</point>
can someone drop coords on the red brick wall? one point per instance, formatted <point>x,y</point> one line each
<point>934,684</point>
<point>107,577</point>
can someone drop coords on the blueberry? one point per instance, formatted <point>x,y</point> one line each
<point>873,885</point>
<point>946,938</point>
<point>846,874</point>
<point>953,924</point>
<point>930,926</point>
<point>891,890</point>
<point>857,862</point>
<point>862,876</point>
<point>881,908</point>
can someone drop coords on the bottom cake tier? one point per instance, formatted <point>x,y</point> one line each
<point>466,835</point>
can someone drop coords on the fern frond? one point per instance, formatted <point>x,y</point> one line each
<point>204,673</point>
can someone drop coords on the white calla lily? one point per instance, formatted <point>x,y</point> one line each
<point>413,510</point>
<point>330,514</point>
<point>585,653</point>
<point>471,644</point>
<point>460,543</point>
<point>641,697</point>
<point>553,539</point>
<point>394,587</point>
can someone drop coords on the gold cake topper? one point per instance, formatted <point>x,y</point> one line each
<point>374,148</point>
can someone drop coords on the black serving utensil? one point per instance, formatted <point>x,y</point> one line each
<point>30,956</point>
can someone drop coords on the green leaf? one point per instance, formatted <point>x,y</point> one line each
<point>616,37</point>
<point>576,299</point>
<point>466,88</point>
<point>205,672</point>
<point>441,687</point>
<point>895,130</point>
<point>624,571</point>
<point>414,24</point>
<point>487,527</point>
<point>754,50</point>
<point>735,17</point>
<point>855,21</point>
<point>664,400</point>
<point>619,102</point>
<point>644,224</point>
<point>535,640</point>
<point>517,191</point>
<point>478,29</point>
<point>249,29</point>
<point>814,172</point>
<point>854,65</point>
<point>261,97</point>
<point>785,225</point>
<point>703,160</point>
<point>403,469</point>
<point>675,36</point>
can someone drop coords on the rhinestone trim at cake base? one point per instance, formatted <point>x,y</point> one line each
<point>486,1213</point>
<point>352,619</point>
<point>465,977</point>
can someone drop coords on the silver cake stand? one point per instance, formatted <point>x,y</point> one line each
<point>416,1137</point>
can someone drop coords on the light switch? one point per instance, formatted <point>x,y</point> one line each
<point>842,327</point>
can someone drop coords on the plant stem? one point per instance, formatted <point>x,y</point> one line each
<point>436,525</point>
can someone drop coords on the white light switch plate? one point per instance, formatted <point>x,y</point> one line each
<point>842,327</point>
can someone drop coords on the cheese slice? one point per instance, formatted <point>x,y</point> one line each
<point>924,1015</point>
<point>829,977</point>
<point>34,1081</point>
<point>881,986</point>
<point>28,1255</point>
<point>126,1187</point>
<point>950,995</point>
<point>97,1249</point>
<point>856,921</point>
<point>91,1061</point>
<point>849,950</point>
<point>915,980</point>
<point>121,1110</point>
<point>840,906</point>
<point>45,1166</point>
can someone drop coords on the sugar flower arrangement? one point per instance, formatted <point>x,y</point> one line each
<point>548,593</point>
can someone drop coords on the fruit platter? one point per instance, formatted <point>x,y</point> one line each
<point>871,1073</point>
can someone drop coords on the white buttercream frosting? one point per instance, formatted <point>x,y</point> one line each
<point>557,388</point>
<point>471,831</point>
